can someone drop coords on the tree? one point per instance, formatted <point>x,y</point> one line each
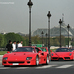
<point>51,42</point>
<point>10,36</point>
<point>62,40</point>
<point>14,37</point>
<point>1,40</point>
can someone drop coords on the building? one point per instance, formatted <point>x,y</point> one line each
<point>55,31</point>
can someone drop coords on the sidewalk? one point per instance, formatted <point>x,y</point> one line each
<point>1,55</point>
<point>1,58</point>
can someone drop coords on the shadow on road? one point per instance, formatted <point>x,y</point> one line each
<point>60,60</point>
<point>25,66</point>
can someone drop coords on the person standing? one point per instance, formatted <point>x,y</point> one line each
<point>17,45</point>
<point>14,45</point>
<point>9,46</point>
<point>20,44</point>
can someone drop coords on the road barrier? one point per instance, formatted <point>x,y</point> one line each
<point>3,49</point>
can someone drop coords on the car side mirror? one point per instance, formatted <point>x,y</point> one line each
<point>8,51</point>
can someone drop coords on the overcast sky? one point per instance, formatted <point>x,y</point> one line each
<point>14,16</point>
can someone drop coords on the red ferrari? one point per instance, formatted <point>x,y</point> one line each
<point>28,55</point>
<point>62,54</point>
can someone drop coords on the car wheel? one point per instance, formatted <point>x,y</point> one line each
<point>37,61</point>
<point>47,60</point>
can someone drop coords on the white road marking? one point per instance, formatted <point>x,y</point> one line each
<point>22,68</point>
<point>64,66</point>
<point>48,66</point>
<point>4,68</point>
<point>14,68</point>
<point>41,67</point>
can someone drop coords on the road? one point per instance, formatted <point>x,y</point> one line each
<point>60,67</point>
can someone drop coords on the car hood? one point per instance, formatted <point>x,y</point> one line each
<point>19,55</point>
<point>62,53</point>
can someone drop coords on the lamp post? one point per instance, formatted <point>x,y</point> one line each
<point>46,39</point>
<point>42,38</point>
<point>60,22</point>
<point>49,15</point>
<point>68,34</point>
<point>30,5</point>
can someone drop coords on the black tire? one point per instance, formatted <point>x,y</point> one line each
<point>37,60</point>
<point>47,60</point>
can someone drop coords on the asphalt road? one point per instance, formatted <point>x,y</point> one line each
<point>55,67</point>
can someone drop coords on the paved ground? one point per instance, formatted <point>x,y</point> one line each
<point>38,71</point>
<point>52,64</point>
<point>55,67</point>
<point>0,59</point>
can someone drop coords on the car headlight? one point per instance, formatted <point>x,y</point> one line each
<point>52,54</point>
<point>70,54</point>
<point>5,58</point>
<point>28,58</point>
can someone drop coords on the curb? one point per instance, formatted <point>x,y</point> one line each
<point>1,55</point>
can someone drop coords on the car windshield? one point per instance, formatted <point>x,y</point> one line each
<point>24,49</point>
<point>63,50</point>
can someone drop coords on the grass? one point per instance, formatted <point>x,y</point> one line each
<point>4,52</point>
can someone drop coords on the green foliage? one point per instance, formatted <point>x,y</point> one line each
<point>35,40</point>
<point>66,41</point>
<point>3,52</point>
<point>10,36</point>
<point>72,43</point>
<point>26,41</point>
<point>1,40</point>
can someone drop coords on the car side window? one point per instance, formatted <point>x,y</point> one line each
<point>37,50</point>
<point>43,49</point>
<point>57,50</point>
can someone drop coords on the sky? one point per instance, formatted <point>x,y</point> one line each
<point>14,14</point>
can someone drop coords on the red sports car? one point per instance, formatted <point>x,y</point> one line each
<point>62,54</point>
<point>28,55</point>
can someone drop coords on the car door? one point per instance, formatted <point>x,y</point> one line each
<point>41,55</point>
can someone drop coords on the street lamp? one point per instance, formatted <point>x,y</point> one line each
<point>46,39</point>
<point>42,38</point>
<point>30,5</point>
<point>60,22</point>
<point>68,34</point>
<point>49,15</point>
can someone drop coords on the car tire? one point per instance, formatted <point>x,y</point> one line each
<point>47,60</point>
<point>37,60</point>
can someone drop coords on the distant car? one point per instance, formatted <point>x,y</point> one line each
<point>62,54</point>
<point>29,55</point>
